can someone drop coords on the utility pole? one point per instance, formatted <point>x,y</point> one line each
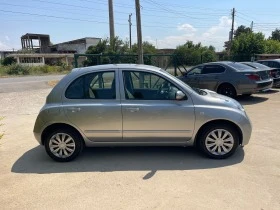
<point>111,20</point>
<point>139,32</point>
<point>232,27</point>
<point>252,26</point>
<point>130,24</point>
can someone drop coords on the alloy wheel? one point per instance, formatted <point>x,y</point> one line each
<point>219,142</point>
<point>62,145</point>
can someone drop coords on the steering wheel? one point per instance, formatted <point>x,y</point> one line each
<point>164,90</point>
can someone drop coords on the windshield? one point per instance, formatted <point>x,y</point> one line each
<point>199,91</point>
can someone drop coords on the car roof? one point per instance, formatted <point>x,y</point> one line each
<point>219,62</point>
<point>116,66</point>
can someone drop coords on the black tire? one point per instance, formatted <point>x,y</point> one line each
<point>227,90</point>
<point>75,145</point>
<point>202,141</point>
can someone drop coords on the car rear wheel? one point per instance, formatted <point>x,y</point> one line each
<point>63,145</point>
<point>218,141</point>
<point>227,90</point>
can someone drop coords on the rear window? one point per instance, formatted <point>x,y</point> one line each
<point>240,66</point>
<point>257,65</point>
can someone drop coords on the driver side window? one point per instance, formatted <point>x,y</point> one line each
<point>147,86</point>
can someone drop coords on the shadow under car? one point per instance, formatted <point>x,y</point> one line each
<point>108,159</point>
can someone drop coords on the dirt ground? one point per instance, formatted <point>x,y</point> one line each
<point>138,178</point>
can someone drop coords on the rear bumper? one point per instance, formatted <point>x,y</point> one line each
<point>264,85</point>
<point>256,87</point>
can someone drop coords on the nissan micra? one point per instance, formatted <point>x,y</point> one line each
<point>137,105</point>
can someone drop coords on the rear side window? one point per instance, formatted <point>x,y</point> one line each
<point>213,69</point>
<point>75,89</point>
<point>99,85</point>
<point>240,66</point>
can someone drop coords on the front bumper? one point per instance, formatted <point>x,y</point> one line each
<point>246,127</point>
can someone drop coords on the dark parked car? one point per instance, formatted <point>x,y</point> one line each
<point>273,72</point>
<point>228,78</point>
<point>274,64</point>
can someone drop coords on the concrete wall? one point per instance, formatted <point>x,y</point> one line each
<point>79,48</point>
<point>91,42</point>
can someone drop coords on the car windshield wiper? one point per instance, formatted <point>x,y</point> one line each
<point>200,91</point>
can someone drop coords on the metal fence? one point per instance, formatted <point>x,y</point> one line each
<point>168,62</point>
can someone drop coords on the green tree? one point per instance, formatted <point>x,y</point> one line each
<point>272,46</point>
<point>246,45</point>
<point>110,49</point>
<point>117,51</point>
<point>275,35</point>
<point>8,61</point>
<point>148,48</point>
<point>193,54</point>
<point>240,30</point>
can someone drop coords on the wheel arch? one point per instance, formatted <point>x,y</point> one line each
<point>221,122</point>
<point>55,126</point>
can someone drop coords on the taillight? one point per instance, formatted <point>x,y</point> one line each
<point>254,77</point>
<point>273,73</point>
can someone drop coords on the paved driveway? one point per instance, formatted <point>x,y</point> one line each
<point>19,84</point>
<point>138,178</point>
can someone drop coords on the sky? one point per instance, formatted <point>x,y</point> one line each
<point>165,23</point>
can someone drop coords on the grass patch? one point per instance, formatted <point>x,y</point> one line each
<point>1,134</point>
<point>53,83</point>
<point>18,70</point>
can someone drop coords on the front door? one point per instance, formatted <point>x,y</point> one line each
<point>92,104</point>
<point>210,77</point>
<point>193,77</point>
<point>150,111</point>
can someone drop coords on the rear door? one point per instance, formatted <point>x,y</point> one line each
<point>92,104</point>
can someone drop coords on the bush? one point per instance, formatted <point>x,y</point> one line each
<point>18,70</point>
<point>8,61</point>
<point>15,69</point>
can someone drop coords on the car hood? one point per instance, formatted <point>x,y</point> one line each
<point>223,100</point>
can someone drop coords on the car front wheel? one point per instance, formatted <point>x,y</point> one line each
<point>218,141</point>
<point>63,145</point>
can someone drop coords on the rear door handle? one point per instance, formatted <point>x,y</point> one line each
<point>74,109</point>
<point>132,109</point>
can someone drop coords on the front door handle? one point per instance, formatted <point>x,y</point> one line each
<point>74,109</point>
<point>132,109</point>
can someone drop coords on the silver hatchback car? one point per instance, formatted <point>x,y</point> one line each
<point>137,105</point>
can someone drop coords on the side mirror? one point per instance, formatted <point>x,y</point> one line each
<point>179,95</point>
